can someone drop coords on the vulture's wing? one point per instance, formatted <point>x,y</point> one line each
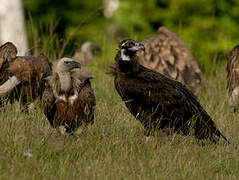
<point>152,87</point>
<point>170,96</point>
<point>48,99</point>
<point>43,65</point>
<point>233,69</point>
<point>80,80</point>
<point>167,54</point>
<point>83,86</point>
<point>23,68</point>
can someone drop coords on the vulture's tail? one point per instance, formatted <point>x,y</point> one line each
<point>219,134</point>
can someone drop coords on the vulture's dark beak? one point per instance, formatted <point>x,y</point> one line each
<point>96,48</point>
<point>76,64</point>
<point>138,46</point>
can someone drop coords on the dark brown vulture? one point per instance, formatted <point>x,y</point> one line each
<point>68,99</point>
<point>86,54</point>
<point>168,55</point>
<point>233,77</point>
<point>157,101</point>
<point>22,77</point>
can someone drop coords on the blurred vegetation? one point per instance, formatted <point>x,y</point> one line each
<point>208,28</point>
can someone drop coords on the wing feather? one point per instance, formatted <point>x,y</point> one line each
<point>167,54</point>
<point>49,105</point>
<point>233,69</point>
<point>169,98</point>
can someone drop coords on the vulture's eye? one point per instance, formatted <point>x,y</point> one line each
<point>67,62</point>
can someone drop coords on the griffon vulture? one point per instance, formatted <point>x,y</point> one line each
<point>68,99</point>
<point>22,77</point>
<point>157,101</point>
<point>86,54</point>
<point>168,55</point>
<point>233,77</point>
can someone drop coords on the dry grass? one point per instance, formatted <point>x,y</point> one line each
<point>115,147</point>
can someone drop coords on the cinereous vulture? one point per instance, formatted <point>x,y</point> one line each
<point>158,101</point>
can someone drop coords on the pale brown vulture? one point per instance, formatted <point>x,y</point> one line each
<point>22,77</point>
<point>157,101</point>
<point>233,77</point>
<point>86,53</point>
<point>68,99</point>
<point>167,54</point>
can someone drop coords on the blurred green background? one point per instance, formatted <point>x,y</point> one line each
<point>209,28</point>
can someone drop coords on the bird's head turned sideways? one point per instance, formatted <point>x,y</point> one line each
<point>67,64</point>
<point>129,48</point>
<point>90,47</point>
<point>8,50</point>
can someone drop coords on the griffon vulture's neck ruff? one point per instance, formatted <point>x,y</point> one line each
<point>127,55</point>
<point>64,67</point>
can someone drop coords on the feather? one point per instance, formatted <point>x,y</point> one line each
<point>233,77</point>
<point>31,71</point>
<point>86,53</point>
<point>8,51</point>
<point>68,109</point>
<point>158,101</point>
<point>167,54</point>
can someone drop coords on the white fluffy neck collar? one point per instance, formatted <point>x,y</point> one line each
<point>65,80</point>
<point>123,56</point>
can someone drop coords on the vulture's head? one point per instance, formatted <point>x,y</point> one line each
<point>67,64</point>
<point>129,48</point>
<point>89,47</point>
<point>8,51</point>
<point>86,53</point>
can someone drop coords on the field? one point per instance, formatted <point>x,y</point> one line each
<point>115,147</point>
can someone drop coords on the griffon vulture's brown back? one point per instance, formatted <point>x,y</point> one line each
<point>167,54</point>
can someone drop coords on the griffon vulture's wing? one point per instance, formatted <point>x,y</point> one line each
<point>48,99</point>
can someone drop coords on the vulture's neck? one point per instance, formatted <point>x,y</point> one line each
<point>131,66</point>
<point>88,55</point>
<point>65,80</point>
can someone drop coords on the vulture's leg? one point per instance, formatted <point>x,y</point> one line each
<point>61,130</point>
<point>80,130</point>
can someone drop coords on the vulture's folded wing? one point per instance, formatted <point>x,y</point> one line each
<point>49,105</point>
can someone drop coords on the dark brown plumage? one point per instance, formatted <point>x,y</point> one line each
<point>233,77</point>
<point>168,55</point>
<point>22,77</point>
<point>68,99</point>
<point>157,101</point>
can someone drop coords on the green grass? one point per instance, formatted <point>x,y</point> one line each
<point>115,147</point>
